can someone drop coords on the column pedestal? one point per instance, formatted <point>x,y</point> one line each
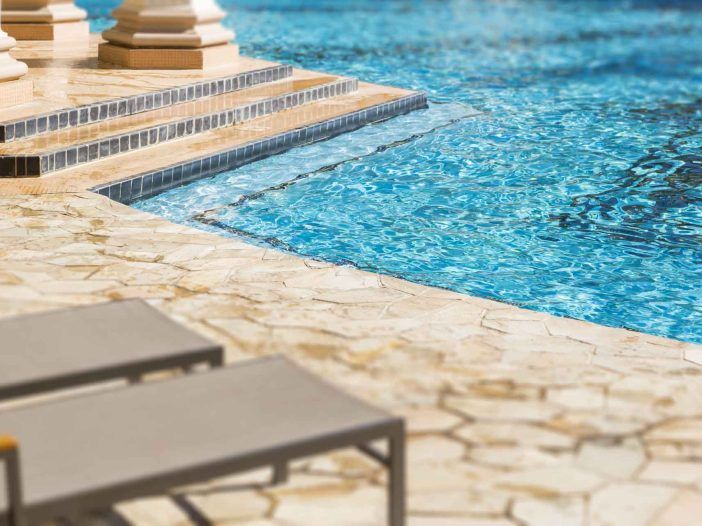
<point>168,34</point>
<point>60,32</point>
<point>13,91</point>
<point>165,58</point>
<point>58,20</point>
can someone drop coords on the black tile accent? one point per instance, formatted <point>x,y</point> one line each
<point>71,157</point>
<point>104,148</point>
<point>60,160</point>
<point>83,154</point>
<point>20,128</point>
<point>33,165</point>
<point>7,167</point>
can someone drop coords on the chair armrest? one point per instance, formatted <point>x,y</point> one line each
<point>9,456</point>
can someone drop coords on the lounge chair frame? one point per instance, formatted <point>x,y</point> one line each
<point>132,369</point>
<point>361,436</point>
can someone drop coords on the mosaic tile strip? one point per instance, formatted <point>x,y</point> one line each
<point>122,107</point>
<point>152,183</point>
<point>40,164</point>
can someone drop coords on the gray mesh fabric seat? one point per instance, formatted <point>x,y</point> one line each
<point>90,451</point>
<point>71,347</point>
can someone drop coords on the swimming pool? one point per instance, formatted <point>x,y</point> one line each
<point>576,190</point>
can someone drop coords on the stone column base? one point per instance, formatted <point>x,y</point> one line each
<point>15,92</point>
<point>168,58</point>
<point>60,31</point>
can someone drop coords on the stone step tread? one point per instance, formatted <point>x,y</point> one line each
<point>57,140</point>
<point>70,76</point>
<point>79,178</point>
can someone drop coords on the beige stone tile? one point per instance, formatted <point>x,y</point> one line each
<point>586,424</point>
<point>236,505</point>
<point>678,430</point>
<point>434,448</point>
<point>550,481</point>
<point>422,420</point>
<point>345,463</point>
<point>501,409</point>
<point>578,398</point>
<point>464,502</point>
<point>457,521</point>
<point>672,472</point>
<point>694,355</point>
<point>156,511</point>
<point>611,458</point>
<point>349,506</point>
<point>518,457</point>
<point>685,507</point>
<point>628,504</point>
<point>449,476</point>
<point>550,512</point>
<point>505,434</point>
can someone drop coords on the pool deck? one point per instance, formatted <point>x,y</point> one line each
<point>515,417</point>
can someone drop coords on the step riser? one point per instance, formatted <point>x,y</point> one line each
<point>112,109</point>
<point>37,165</point>
<point>152,183</point>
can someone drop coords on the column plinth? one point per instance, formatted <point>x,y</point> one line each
<point>13,90</point>
<point>168,34</point>
<point>44,20</point>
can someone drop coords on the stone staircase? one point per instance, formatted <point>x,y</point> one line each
<point>72,138</point>
<point>154,139</point>
<point>52,151</point>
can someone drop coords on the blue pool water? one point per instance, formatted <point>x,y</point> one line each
<point>577,190</point>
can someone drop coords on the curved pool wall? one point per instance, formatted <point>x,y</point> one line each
<point>576,191</point>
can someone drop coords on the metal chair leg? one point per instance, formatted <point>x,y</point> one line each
<point>396,481</point>
<point>280,473</point>
<point>9,456</point>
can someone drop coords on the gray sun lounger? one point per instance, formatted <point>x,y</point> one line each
<point>88,452</point>
<point>72,347</point>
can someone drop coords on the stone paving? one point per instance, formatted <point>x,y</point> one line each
<point>516,418</point>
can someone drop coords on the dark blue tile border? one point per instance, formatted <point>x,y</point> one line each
<point>152,183</point>
<point>110,109</point>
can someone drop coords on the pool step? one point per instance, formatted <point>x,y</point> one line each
<point>146,173</point>
<point>37,156</point>
<point>230,148</point>
<point>159,91</point>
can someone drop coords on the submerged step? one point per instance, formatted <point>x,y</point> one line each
<point>329,119</point>
<point>42,155</point>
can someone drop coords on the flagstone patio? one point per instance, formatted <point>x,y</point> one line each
<point>516,417</point>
